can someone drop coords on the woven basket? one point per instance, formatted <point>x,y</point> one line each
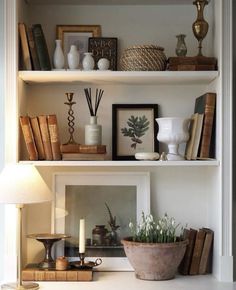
<point>143,57</point>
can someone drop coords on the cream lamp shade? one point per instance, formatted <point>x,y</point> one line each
<point>22,184</point>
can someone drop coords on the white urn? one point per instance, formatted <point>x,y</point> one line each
<point>73,57</point>
<point>173,131</point>
<point>88,61</point>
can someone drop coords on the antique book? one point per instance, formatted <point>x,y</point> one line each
<point>195,135</point>
<point>70,148</point>
<point>43,124</point>
<point>83,156</point>
<point>92,149</point>
<point>186,262</point>
<point>24,47</point>
<point>41,47</point>
<point>32,48</point>
<point>206,257</point>
<point>29,137</point>
<point>197,252</point>
<point>54,137</point>
<point>37,137</point>
<point>104,47</point>
<point>191,67</point>
<point>192,60</point>
<point>33,273</point>
<point>206,104</point>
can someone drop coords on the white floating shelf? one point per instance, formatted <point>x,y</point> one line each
<point>132,163</point>
<point>119,77</point>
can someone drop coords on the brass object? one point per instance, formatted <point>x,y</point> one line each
<point>83,265</point>
<point>70,118</point>
<point>200,26</point>
<point>61,263</point>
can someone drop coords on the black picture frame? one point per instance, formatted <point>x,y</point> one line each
<point>124,146</point>
<point>104,47</point>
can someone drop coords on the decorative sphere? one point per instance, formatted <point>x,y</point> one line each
<point>103,64</point>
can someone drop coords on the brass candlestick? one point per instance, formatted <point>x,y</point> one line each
<point>70,118</point>
<point>200,26</point>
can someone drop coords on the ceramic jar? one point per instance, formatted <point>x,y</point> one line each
<point>58,56</point>
<point>73,57</point>
<point>93,132</point>
<point>88,61</point>
<point>99,235</point>
<point>103,64</point>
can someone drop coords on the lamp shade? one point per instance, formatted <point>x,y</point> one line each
<point>22,184</point>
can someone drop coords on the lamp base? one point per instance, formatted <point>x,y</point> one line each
<point>24,286</point>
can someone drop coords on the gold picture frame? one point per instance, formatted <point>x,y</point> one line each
<point>77,35</point>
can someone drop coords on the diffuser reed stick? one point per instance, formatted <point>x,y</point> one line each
<point>93,105</point>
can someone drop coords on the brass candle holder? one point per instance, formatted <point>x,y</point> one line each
<point>200,26</point>
<point>83,265</point>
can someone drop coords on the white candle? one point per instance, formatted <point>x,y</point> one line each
<point>82,236</point>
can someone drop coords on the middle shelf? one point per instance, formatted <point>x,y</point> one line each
<point>119,77</point>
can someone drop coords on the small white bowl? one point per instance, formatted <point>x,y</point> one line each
<point>147,156</point>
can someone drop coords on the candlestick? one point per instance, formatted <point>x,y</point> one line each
<point>82,236</point>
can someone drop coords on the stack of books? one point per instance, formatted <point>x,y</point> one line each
<point>192,63</point>
<point>41,137</point>
<point>201,144</point>
<point>84,153</point>
<point>198,255</point>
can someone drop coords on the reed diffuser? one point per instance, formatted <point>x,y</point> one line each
<point>93,131</point>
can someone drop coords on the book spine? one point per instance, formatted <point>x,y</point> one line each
<point>32,48</point>
<point>54,137</point>
<point>92,149</point>
<point>207,125</point>
<point>191,67</point>
<point>41,47</point>
<point>206,256</point>
<point>197,252</point>
<point>29,137</point>
<point>186,262</point>
<point>43,124</point>
<point>24,46</point>
<point>37,137</point>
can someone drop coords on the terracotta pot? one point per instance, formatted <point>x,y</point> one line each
<point>157,261</point>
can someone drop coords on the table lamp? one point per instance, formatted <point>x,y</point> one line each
<point>20,185</point>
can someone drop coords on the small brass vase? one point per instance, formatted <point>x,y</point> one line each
<point>200,26</point>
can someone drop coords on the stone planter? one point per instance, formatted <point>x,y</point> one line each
<point>157,261</point>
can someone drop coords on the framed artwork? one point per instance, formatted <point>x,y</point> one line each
<point>134,129</point>
<point>87,195</point>
<point>77,35</point>
<point>104,47</point>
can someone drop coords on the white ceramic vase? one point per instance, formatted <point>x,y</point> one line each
<point>103,64</point>
<point>93,132</point>
<point>73,58</point>
<point>88,61</point>
<point>173,131</point>
<point>58,56</point>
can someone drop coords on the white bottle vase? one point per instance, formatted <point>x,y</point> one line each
<point>173,131</point>
<point>88,61</point>
<point>93,132</point>
<point>73,58</point>
<point>58,56</point>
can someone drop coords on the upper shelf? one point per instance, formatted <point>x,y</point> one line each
<point>119,77</point>
<point>112,2</point>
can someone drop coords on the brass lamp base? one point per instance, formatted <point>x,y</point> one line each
<point>24,286</point>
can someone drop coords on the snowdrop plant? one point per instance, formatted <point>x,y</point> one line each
<point>162,230</point>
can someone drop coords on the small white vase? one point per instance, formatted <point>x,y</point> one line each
<point>88,61</point>
<point>103,64</point>
<point>58,56</point>
<point>73,57</point>
<point>173,131</point>
<point>93,132</point>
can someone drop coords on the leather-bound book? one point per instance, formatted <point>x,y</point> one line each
<point>54,137</point>
<point>29,137</point>
<point>37,137</point>
<point>206,105</point>
<point>24,47</point>
<point>43,124</point>
<point>41,47</point>
<point>206,257</point>
<point>32,49</point>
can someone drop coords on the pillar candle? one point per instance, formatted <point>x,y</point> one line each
<point>82,236</point>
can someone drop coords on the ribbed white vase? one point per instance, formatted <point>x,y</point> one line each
<point>88,61</point>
